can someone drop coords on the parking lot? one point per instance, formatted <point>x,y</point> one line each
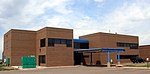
<point>80,70</point>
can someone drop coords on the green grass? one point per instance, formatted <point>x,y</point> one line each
<point>138,65</point>
<point>5,68</point>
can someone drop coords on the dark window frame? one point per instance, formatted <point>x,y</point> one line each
<point>43,42</point>
<point>130,45</point>
<point>69,43</point>
<point>126,56</point>
<point>53,41</point>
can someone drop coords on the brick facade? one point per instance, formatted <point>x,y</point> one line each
<point>18,43</point>
<point>145,51</point>
<point>108,40</point>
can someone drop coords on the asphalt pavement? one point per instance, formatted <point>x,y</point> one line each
<point>80,70</point>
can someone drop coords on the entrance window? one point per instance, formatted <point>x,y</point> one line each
<point>42,59</point>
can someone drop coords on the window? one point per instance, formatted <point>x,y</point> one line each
<point>51,41</point>
<point>57,41</point>
<point>76,45</point>
<point>63,41</point>
<point>126,56</point>
<point>42,59</point>
<point>131,45</point>
<point>84,45</point>
<point>42,42</point>
<point>69,43</point>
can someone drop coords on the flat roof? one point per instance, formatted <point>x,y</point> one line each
<point>108,34</point>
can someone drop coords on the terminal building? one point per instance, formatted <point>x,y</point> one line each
<point>109,40</point>
<point>56,47</point>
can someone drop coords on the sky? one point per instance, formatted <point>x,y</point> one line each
<point>131,17</point>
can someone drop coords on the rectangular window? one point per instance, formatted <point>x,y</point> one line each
<point>131,45</point>
<point>42,59</point>
<point>69,43</point>
<point>76,45</point>
<point>57,41</point>
<point>51,41</point>
<point>42,42</point>
<point>126,56</point>
<point>84,45</point>
<point>63,41</point>
<point>134,46</point>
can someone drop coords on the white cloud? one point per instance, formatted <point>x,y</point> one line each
<point>22,13</point>
<point>35,8</point>
<point>19,13</point>
<point>99,1</point>
<point>130,19</point>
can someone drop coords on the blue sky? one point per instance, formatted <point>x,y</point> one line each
<point>131,17</point>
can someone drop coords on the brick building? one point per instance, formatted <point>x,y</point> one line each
<point>144,51</point>
<point>108,40</point>
<point>18,43</point>
<point>55,46</point>
<point>51,46</point>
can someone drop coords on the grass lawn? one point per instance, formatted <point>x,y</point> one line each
<point>5,68</point>
<point>138,65</point>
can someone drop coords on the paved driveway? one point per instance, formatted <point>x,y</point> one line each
<point>80,70</point>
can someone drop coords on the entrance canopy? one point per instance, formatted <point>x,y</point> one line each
<point>100,50</point>
<point>108,50</point>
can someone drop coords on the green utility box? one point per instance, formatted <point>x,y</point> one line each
<point>28,62</point>
<point>8,61</point>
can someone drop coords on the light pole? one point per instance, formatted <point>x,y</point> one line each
<point>147,60</point>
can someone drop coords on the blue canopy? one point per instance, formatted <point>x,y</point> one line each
<point>81,40</point>
<point>101,50</point>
